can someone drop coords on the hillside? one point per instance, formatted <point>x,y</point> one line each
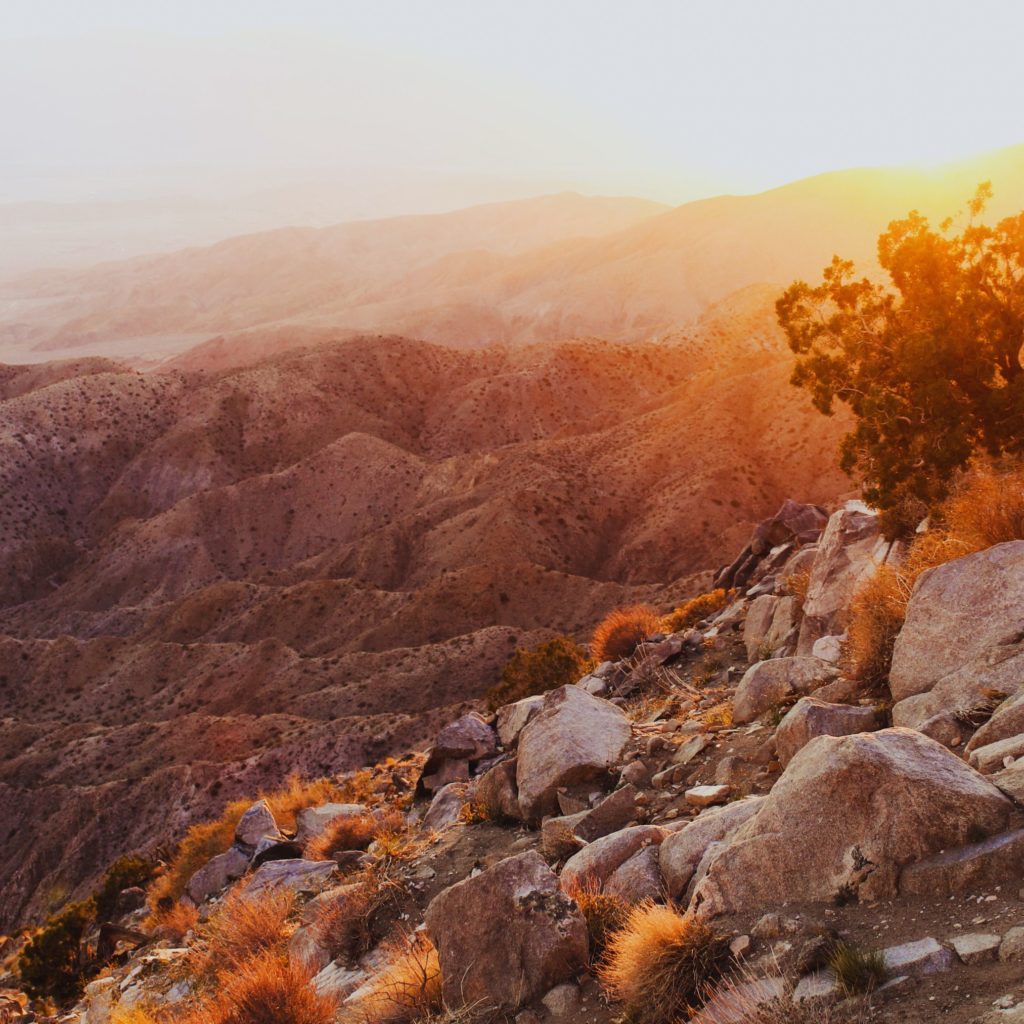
<point>517,273</point>
<point>305,563</point>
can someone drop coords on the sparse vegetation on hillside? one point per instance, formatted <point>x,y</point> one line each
<point>986,508</point>
<point>621,631</point>
<point>931,366</point>
<point>697,608</point>
<point>53,963</point>
<point>553,663</point>
<point>660,963</point>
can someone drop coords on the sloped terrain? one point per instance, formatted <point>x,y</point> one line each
<point>209,579</point>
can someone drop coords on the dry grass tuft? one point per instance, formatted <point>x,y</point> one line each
<point>130,1015</point>
<point>858,971</point>
<point>988,508</point>
<point>174,922</point>
<point>354,832</point>
<point>242,928</point>
<point>696,609</point>
<point>797,586</point>
<point>660,962</point>
<point>621,631</point>
<point>266,989</point>
<point>408,989</point>
<point>717,717</point>
<point>605,913</point>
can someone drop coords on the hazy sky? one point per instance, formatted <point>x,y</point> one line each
<point>667,98</point>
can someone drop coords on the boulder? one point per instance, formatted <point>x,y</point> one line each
<point>758,623</point>
<point>446,806</point>
<point>829,648</point>
<point>926,956</point>
<point>810,718</point>
<point>1011,781</point>
<point>496,791</point>
<point>311,942</point>
<point>845,817</point>
<point>976,947</point>
<point>1007,720</point>
<point>563,836</point>
<point>850,550</point>
<point>637,879</point>
<point>296,875</point>
<point>599,860</point>
<point>962,638</point>
<point>257,822</point>
<point>681,852</point>
<point>705,796</point>
<point>458,746</point>
<point>997,756</point>
<point>312,822</point>
<point>216,873</point>
<point>506,936</point>
<point>575,739</point>
<point>783,628</point>
<point>769,683</point>
<point>512,718</point>
<point>976,867</point>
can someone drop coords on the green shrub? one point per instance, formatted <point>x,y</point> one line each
<point>54,963</point>
<point>554,663</point>
<point>124,873</point>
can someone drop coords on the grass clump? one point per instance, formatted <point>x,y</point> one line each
<point>660,962</point>
<point>604,913</point>
<point>696,609</point>
<point>621,631</point>
<point>856,970</point>
<point>553,663</point>
<point>408,989</point>
<point>353,832</point>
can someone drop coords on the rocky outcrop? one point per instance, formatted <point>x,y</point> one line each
<point>850,550</point>
<point>598,862</point>
<point>507,935</point>
<point>457,749</point>
<point>846,816</point>
<point>810,718</point>
<point>768,684</point>
<point>575,741</point>
<point>963,638</point>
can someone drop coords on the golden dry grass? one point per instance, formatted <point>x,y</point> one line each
<point>986,508</point>
<point>696,609</point>
<point>174,922</point>
<point>266,989</point>
<point>408,989</point>
<point>717,717</point>
<point>604,913</point>
<point>130,1015</point>
<point>242,928</point>
<point>660,962</point>
<point>797,586</point>
<point>353,832</point>
<point>209,838</point>
<point>619,633</point>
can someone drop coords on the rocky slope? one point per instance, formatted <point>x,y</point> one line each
<point>764,791</point>
<point>303,564</point>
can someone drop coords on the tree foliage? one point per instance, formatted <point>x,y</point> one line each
<point>929,363</point>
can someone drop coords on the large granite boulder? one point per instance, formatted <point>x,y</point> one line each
<point>506,936</point>
<point>850,550</point>
<point>810,718</point>
<point>845,817</point>
<point>768,684</point>
<point>963,638</point>
<point>576,739</point>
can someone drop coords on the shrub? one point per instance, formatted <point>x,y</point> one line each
<point>604,912</point>
<point>557,662</point>
<point>988,507</point>
<point>621,631</point>
<point>242,928</point>
<point>266,989</point>
<point>856,970</point>
<point>660,962</point>
<point>54,962</point>
<point>124,873</point>
<point>696,609</point>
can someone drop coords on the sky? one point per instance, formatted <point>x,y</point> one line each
<point>466,99</point>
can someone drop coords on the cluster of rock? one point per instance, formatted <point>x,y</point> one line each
<point>853,810</point>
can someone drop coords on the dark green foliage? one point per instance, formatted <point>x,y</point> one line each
<point>929,365</point>
<point>124,873</point>
<point>51,963</point>
<point>554,663</point>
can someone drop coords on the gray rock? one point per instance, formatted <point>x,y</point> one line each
<point>599,860</point>
<point>816,835</point>
<point>512,718</point>
<point>705,796</point>
<point>962,636</point>
<point>926,956</point>
<point>975,947</point>
<point>576,739</point>
<point>1012,947</point>
<point>769,683</point>
<point>810,718</point>
<point>458,746</point>
<point>758,623</point>
<point>971,868</point>
<point>296,875</point>
<point>637,879</point>
<point>563,1001</point>
<point>506,936</point>
<point>312,822</point>
<point>446,806</point>
<point>829,648</point>
<point>995,756</point>
<point>216,873</point>
<point>257,822</point>
<point>496,791</point>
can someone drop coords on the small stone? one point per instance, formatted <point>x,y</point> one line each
<point>817,985</point>
<point>563,1001</point>
<point>705,796</point>
<point>1012,946</point>
<point>976,947</point>
<point>740,946</point>
<point>768,927</point>
<point>926,956</point>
